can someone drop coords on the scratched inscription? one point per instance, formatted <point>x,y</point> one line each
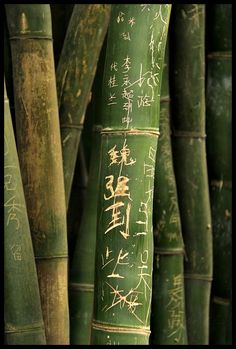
<point>118,206</point>
<point>13,207</point>
<point>132,84</point>
<point>131,91</point>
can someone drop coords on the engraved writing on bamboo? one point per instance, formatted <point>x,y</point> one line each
<point>10,185</point>
<point>132,86</point>
<point>12,204</point>
<point>174,307</point>
<point>119,190</point>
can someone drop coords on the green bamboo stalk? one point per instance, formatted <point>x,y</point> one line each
<point>81,293</point>
<point>219,157</point>
<point>130,107</point>
<point>77,199</point>
<point>228,339</point>
<point>83,42</point>
<point>8,72</point>
<point>168,323</point>
<point>39,146</point>
<point>22,309</point>
<point>189,154</point>
<point>61,14</point>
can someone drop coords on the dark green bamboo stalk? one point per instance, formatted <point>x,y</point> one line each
<point>61,14</point>
<point>83,42</point>
<point>189,154</point>
<point>81,293</point>
<point>219,157</point>
<point>82,273</point>
<point>168,323</point>
<point>39,146</point>
<point>130,107</point>
<point>8,72</point>
<point>77,199</point>
<point>22,309</point>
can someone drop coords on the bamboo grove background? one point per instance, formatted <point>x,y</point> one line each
<point>117,174</point>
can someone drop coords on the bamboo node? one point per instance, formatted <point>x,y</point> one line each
<point>150,131</point>
<point>165,99</point>
<point>169,252</point>
<point>188,134</point>
<point>201,277</point>
<point>81,286</point>
<point>145,331</point>
<point>79,127</point>
<point>25,37</point>
<point>28,328</point>
<point>220,55</point>
<point>220,300</point>
<point>220,184</point>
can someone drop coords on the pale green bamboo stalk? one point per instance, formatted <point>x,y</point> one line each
<point>23,320</point>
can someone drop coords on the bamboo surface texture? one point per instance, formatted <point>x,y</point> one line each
<point>219,157</point>
<point>130,118</point>
<point>61,14</point>
<point>83,42</point>
<point>189,154</point>
<point>23,318</point>
<point>81,292</point>
<point>168,323</point>
<point>8,72</point>
<point>77,198</point>
<point>39,147</point>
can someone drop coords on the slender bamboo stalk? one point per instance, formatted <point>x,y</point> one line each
<point>168,323</point>
<point>77,199</point>
<point>39,146</point>
<point>189,154</point>
<point>130,111</point>
<point>219,157</point>
<point>81,293</point>
<point>82,275</point>
<point>83,42</point>
<point>61,14</point>
<point>22,309</point>
<point>8,72</point>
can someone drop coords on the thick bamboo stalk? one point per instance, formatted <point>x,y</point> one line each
<point>219,157</point>
<point>83,42</point>
<point>22,309</point>
<point>189,154</point>
<point>130,118</point>
<point>39,146</point>
<point>168,323</point>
